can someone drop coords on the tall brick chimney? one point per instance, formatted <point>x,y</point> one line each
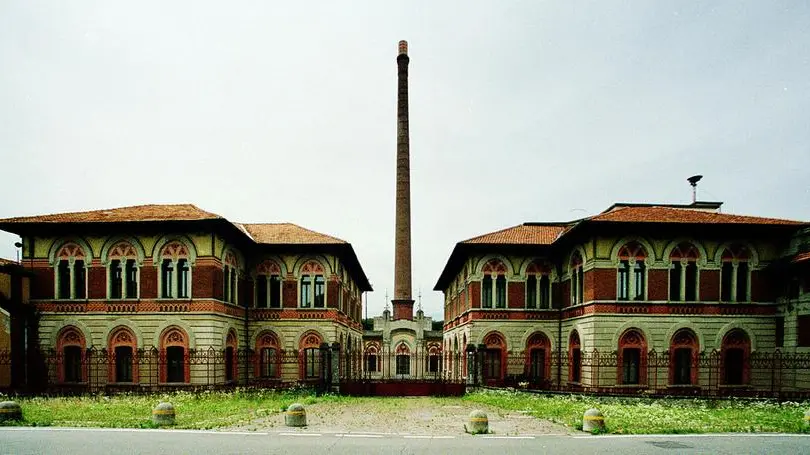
<point>402,302</point>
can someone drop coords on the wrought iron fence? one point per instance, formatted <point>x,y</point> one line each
<point>713,373</point>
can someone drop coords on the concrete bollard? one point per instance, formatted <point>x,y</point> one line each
<point>479,424</point>
<point>163,414</point>
<point>296,416</point>
<point>806,418</point>
<point>593,420</point>
<point>10,410</point>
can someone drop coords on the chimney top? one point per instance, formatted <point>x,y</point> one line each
<point>403,47</point>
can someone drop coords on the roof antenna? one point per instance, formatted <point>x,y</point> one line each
<point>693,180</point>
<point>419,305</point>
<point>386,300</point>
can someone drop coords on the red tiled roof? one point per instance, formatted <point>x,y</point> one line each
<point>286,234</point>
<point>524,234</point>
<point>152,212</point>
<point>658,214</point>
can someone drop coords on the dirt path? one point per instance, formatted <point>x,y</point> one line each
<point>406,416</point>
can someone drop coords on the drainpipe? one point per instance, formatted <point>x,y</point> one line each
<point>559,329</point>
<point>247,343</point>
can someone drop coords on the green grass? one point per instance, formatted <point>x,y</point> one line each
<point>203,410</point>
<point>648,415</point>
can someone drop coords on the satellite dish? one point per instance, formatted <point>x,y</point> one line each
<point>694,179</point>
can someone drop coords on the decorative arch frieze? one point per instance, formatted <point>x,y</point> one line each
<point>721,334</point>
<point>174,247</point>
<point>736,251</point>
<point>636,247</point>
<point>130,325</point>
<point>70,247</point>
<point>122,247</point>
<point>312,264</point>
<point>176,323</point>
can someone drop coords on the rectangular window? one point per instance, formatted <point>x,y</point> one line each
<point>733,366</point>
<point>631,360</point>
<point>268,367</point>
<point>683,366</point>
<point>492,364</point>
<point>742,282</point>
<point>691,281</point>
<point>500,290</point>
<point>131,274</point>
<point>780,331</point>
<point>624,281</point>
<point>403,364</point>
<point>545,292</point>
<point>638,277</point>
<point>182,279</point>
<point>116,279</point>
<point>261,291</point>
<point>433,364</point>
<point>226,282</point>
<point>175,364</point>
<point>79,279</point>
<point>371,363</point>
<point>318,291</point>
<point>166,277</point>
<point>486,292</point>
<point>675,281</point>
<point>123,364</point>
<point>803,330</point>
<point>64,279</point>
<point>275,291</point>
<point>531,291</point>
<point>312,361</point>
<point>305,302</point>
<point>725,282</point>
<point>232,287</point>
<point>576,364</point>
<point>72,363</point>
<point>537,365</point>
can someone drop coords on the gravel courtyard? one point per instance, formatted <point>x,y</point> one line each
<point>405,416</point>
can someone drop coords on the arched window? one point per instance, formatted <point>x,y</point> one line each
<point>371,363</point>
<point>269,359</point>
<point>577,278</point>
<point>230,282</point>
<point>632,273</point>
<point>493,356</point>
<point>735,275</point>
<point>493,284</point>
<point>311,277</point>
<point>122,272</point>
<point>683,364</point>
<point>268,285</point>
<point>231,365</point>
<point>434,354</point>
<point>309,346</point>
<point>538,286</point>
<point>632,358</point>
<point>71,272</point>
<point>175,271</point>
<point>574,358</point>
<point>71,347</point>
<point>683,274</point>
<point>123,347</point>
<point>538,358</point>
<point>403,360</point>
<point>174,356</point>
<point>735,353</point>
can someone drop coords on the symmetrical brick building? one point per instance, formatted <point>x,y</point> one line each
<point>176,281</point>
<point>641,295</point>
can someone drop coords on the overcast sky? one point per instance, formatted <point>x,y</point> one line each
<point>286,111</point>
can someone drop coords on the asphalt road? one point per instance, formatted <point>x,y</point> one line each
<point>19,441</point>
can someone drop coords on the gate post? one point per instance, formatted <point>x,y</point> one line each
<point>335,367</point>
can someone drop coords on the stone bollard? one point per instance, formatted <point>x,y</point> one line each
<point>593,420</point>
<point>296,416</point>
<point>163,414</point>
<point>479,424</point>
<point>10,410</point>
<point>806,418</point>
